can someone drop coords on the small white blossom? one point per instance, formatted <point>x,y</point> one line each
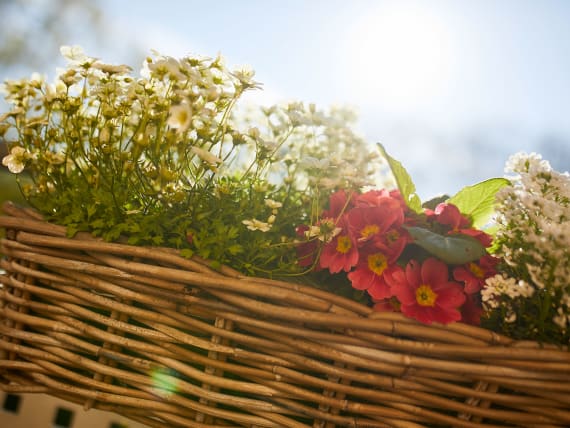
<point>111,69</point>
<point>314,163</point>
<point>206,156</point>
<point>255,224</point>
<point>511,317</point>
<point>165,65</point>
<point>245,76</point>
<point>273,204</point>
<point>325,231</point>
<point>561,319</point>
<point>16,160</point>
<point>328,183</point>
<point>253,132</point>
<point>55,90</point>
<point>180,117</point>
<point>73,53</point>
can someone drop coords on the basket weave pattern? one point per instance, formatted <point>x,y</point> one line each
<point>167,341</point>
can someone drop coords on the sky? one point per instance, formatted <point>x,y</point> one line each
<point>451,88</point>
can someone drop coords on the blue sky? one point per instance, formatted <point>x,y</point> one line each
<point>451,88</point>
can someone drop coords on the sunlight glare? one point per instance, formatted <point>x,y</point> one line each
<point>399,56</point>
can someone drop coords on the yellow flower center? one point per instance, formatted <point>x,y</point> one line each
<point>392,236</point>
<point>343,244</point>
<point>476,270</point>
<point>369,230</point>
<point>377,263</point>
<point>425,296</point>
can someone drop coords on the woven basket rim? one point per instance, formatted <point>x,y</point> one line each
<point>280,341</point>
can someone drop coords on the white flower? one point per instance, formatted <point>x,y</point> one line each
<point>325,231</point>
<point>562,317</point>
<point>16,160</point>
<point>111,69</point>
<point>525,289</point>
<point>37,80</point>
<point>314,163</point>
<point>206,156</point>
<point>55,90</point>
<point>511,317</point>
<point>73,53</point>
<point>255,224</point>
<point>180,117</point>
<point>253,132</point>
<point>166,66</point>
<point>328,183</point>
<point>245,76</point>
<point>523,162</point>
<point>273,204</point>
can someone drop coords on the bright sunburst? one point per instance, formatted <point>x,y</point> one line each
<point>398,54</point>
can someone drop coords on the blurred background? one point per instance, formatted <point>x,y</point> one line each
<point>451,88</point>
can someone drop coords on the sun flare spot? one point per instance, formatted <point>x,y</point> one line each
<point>398,54</point>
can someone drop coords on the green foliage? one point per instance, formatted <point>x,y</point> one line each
<point>478,202</point>
<point>453,249</point>
<point>403,181</point>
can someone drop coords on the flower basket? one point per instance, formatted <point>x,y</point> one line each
<point>168,341</point>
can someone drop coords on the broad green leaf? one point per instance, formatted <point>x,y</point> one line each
<point>454,249</point>
<point>403,181</point>
<point>478,201</point>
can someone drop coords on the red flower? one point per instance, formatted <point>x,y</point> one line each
<point>473,275</point>
<point>472,310</point>
<point>369,273</point>
<point>426,293</point>
<point>449,214</point>
<point>341,252</point>
<point>381,289</point>
<point>389,201</point>
<point>339,203</point>
<point>393,242</point>
<point>370,223</point>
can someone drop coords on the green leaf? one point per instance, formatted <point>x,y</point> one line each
<point>187,253</point>
<point>478,201</point>
<point>454,249</point>
<point>403,181</point>
<point>235,249</point>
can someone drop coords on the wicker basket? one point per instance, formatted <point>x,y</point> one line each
<point>167,341</point>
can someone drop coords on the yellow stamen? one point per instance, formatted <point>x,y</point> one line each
<point>343,244</point>
<point>377,263</point>
<point>392,236</point>
<point>425,296</point>
<point>476,270</point>
<point>369,230</point>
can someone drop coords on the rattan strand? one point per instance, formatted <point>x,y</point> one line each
<point>168,341</point>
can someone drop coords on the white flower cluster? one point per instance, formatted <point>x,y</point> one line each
<point>499,286</point>
<point>322,149</point>
<point>108,151</point>
<point>178,109</point>
<point>534,235</point>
